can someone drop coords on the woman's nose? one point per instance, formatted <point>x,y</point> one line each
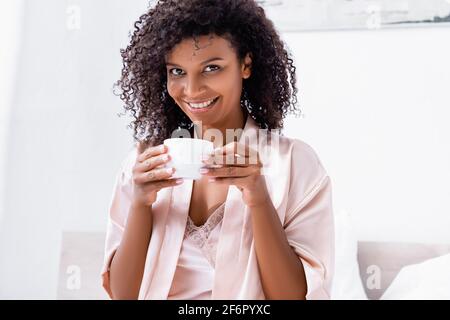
<point>193,87</point>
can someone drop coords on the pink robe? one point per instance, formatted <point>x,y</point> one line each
<point>300,190</point>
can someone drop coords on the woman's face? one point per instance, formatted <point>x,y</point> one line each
<point>204,77</point>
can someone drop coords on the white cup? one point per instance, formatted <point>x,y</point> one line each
<point>186,156</point>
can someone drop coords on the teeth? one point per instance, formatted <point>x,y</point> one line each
<point>201,105</point>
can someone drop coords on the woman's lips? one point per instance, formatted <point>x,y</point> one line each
<point>201,110</point>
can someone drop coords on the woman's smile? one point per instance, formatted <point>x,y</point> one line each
<point>198,107</point>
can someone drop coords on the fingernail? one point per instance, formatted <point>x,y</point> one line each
<point>204,170</point>
<point>179,181</point>
<point>212,179</point>
<point>170,170</point>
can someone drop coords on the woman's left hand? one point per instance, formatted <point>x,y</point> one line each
<point>239,165</point>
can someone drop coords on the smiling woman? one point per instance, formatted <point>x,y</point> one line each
<point>208,49</point>
<point>208,92</point>
<point>236,233</point>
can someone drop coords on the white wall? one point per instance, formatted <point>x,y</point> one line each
<point>375,113</point>
<point>10,36</point>
<point>10,40</point>
<point>376,110</point>
<point>65,140</point>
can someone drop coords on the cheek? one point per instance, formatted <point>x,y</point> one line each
<point>233,89</point>
<point>228,85</point>
<point>233,83</point>
<point>173,89</point>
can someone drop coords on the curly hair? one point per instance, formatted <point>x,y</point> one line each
<point>268,95</point>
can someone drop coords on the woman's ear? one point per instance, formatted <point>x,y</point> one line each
<point>247,66</point>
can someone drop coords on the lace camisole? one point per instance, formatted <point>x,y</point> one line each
<point>194,274</point>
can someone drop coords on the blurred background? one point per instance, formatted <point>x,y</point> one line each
<point>373,84</point>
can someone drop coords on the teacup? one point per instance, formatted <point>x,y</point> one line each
<point>186,156</point>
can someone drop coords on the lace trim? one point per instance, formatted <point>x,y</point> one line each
<point>200,234</point>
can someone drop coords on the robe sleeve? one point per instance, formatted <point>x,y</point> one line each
<point>118,213</point>
<point>309,224</point>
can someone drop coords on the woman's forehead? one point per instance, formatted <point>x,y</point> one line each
<point>199,49</point>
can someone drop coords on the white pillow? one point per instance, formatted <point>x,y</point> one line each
<point>347,284</point>
<point>427,280</point>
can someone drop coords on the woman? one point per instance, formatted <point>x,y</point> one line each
<point>251,230</point>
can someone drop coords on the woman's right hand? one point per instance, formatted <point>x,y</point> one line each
<point>149,176</point>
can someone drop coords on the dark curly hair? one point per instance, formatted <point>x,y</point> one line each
<point>267,95</point>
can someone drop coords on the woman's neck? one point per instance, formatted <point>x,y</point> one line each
<point>237,123</point>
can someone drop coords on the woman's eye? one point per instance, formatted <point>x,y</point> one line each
<point>179,72</point>
<point>176,72</point>
<point>212,68</point>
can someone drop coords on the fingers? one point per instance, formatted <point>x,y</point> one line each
<point>235,148</point>
<point>218,160</point>
<point>167,183</point>
<point>230,159</point>
<point>233,154</point>
<point>231,171</point>
<point>152,163</point>
<point>154,175</point>
<point>144,154</point>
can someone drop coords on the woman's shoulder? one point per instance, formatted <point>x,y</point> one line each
<point>306,154</point>
<point>297,150</point>
<point>304,163</point>
<point>293,171</point>
<point>301,150</point>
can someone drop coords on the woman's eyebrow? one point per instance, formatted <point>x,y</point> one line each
<point>168,63</point>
